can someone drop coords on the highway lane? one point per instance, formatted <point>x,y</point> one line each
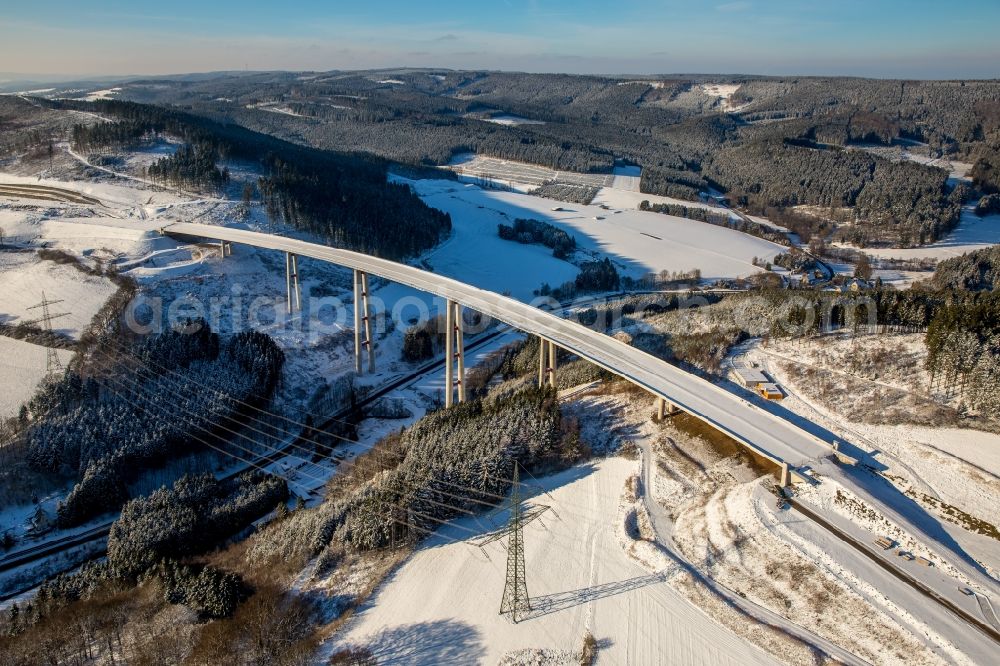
<point>767,434</point>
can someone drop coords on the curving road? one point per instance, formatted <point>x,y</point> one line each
<point>763,432</point>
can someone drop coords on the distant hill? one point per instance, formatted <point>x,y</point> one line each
<point>974,271</point>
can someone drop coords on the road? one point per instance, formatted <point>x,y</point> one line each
<point>983,626</point>
<point>766,434</point>
<point>663,527</point>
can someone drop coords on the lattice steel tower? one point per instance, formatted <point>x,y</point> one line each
<point>515,592</point>
<point>52,362</point>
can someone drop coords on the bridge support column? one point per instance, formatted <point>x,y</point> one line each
<point>449,354</point>
<point>366,304</point>
<point>665,408</point>
<point>292,290</point>
<point>288,281</point>
<point>459,349</point>
<point>546,362</point>
<point>362,323</point>
<point>786,477</point>
<point>542,365</point>
<point>552,364</point>
<point>296,289</point>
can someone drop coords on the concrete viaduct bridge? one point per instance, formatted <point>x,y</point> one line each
<point>765,434</point>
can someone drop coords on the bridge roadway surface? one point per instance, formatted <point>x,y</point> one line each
<point>767,434</point>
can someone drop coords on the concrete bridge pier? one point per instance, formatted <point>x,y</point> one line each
<point>362,323</point>
<point>459,349</point>
<point>292,288</point>
<point>546,363</point>
<point>665,408</point>
<point>454,351</point>
<point>225,249</point>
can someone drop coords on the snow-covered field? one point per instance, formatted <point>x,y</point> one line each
<point>640,242</point>
<point>511,119</point>
<point>441,605</point>
<point>627,178</point>
<point>23,370</point>
<point>274,107</point>
<point>626,199</point>
<point>107,93</point>
<point>24,280</point>
<point>722,91</point>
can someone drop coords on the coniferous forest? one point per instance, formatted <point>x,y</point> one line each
<point>344,198</point>
<point>777,144</point>
<point>108,428</point>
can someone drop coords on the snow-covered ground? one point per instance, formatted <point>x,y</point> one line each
<point>723,92</point>
<point>640,242</point>
<point>935,468</point>
<point>24,367</point>
<point>627,178</point>
<point>511,119</point>
<point>441,605</point>
<point>274,107</point>
<point>25,280</point>
<point>973,233</point>
<point>107,93</point>
<point>626,199</point>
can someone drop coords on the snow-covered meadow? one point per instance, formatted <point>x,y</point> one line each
<point>444,599</point>
<point>639,242</point>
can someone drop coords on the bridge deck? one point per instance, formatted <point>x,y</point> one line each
<point>767,434</point>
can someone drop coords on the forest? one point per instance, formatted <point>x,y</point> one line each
<point>978,270</point>
<point>449,462</point>
<point>791,142</point>
<point>536,231</point>
<point>343,198</point>
<point>138,409</point>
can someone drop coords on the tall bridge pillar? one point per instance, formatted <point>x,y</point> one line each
<point>552,364</point>
<point>362,323</point>
<point>665,408</point>
<point>292,288</point>
<point>546,363</point>
<point>454,350</point>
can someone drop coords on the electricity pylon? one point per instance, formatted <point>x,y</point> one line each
<point>515,592</point>
<point>52,362</point>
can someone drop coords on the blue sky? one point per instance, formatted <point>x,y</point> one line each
<point>889,38</point>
